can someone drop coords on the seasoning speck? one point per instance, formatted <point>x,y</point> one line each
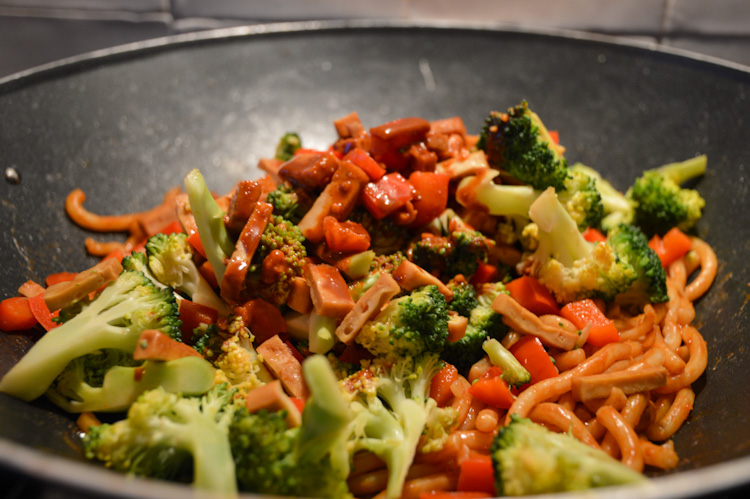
<point>12,176</point>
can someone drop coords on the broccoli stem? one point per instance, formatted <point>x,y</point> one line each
<point>682,171</point>
<point>513,372</point>
<point>564,242</point>
<point>209,218</point>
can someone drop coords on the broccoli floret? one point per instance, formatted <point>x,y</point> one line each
<point>568,265</point>
<point>631,246</point>
<point>386,237</point>
<point>137,261</point>
<point>464,296</point>
<point>519,143</point>
<point>238,363</point>
<point>289,143</point>
<point>111,380</point>
<point>166,435</point>
<point>660,203</point>
<point>513,372</point>
<point>283,243</point>
<point>579,195</point>
<point>209,218</point>
<point>616,207</point>
<point>289,203</point>
<point>529,459</point>
<point>409,325</point>
<point>392,406</point>
<point>115,319</point>
<point>311,460</point>
<point>171,261</point>
<point>460,252</point>
<point>483,323</point>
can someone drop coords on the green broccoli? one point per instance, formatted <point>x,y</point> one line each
<point>284,239</point>
<point>289,143</point>
<point>111,381</point>
<point>519,143</point>
<point>166,436</point>
<point>289,203</point>
<point>464,297</point>
<point>659,201</point>
<point>386,237</point>
<point>137,261</point>
<point>631,246</point>
<point>568,265</point>
<point>311,460</point>
<point>460,252</point>
<point>483,323</point>
<point>114,319</point>
<point>392,406</point>
<point>171,261</point>
<point>209,218</point>
<point>529,459</point>
<point>237,361</point>
<point>513,372</point>
<point>409,325</point>
<point>616,207</point>
<point>579,195</point>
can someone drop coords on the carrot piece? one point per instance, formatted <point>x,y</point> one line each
<point>532,295</point>
<point>193,315</point>
<point>673,246</point>
<point>440,386</point>
<point>486,272</point>
<point>593,235</point>
<point>15,314</point>
<point>263,318</point>
<point>492,390</point>
<point>477,474</point>
<point>531,354</point>
<point>555,136</point>
<point>584,312</point>
<point>42,312</point>
<point>59,277</point>
<point>155,345</point>
<point>431,195</point>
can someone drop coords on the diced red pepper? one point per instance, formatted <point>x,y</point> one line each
<point>16,315</point>
<point>354,353</point>
<point>195,241</point>
<point>673,246</point>
<point>363,160</point>
<point>193,315</point>
<point>486,272</point>
<point>171,228</point>
<point>581,313</point>
<point>42,313</point>
<point>531,354</point>
<point>263,318</point>
<point>532,295</point>
<point>59,277</point>
<point>593,235</point>
<point>346,236</point>
<point>431,197</point>
<point>492,390</point>
<point>440,386</point>
<point>299,403</point>
<point>477,474</point>
<point>555,136</point>
<point>116,254</point>
<point>387,195</point>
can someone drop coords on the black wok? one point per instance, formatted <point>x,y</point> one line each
<point>127,124</point>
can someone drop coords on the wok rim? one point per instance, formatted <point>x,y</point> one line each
<point>90,478</point>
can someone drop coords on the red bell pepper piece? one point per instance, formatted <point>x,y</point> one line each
<point>59,277</point>
<point>673,246</point>
<point>532,295</point>
<point>431,195</point>
<point>531,354</point>
<point>264,319</point>
<point>492,390</point>
<point>581,313</point>
<point>171,228</point>
<point>440,386</point>
<point>387,195</point>
<point>593,235</point>
<point>486,272</point>
<point>16,315</point>
<point>193,315</point>
<point>476,474</point>
<point>363,160</point>
<point>42,313</point>
<point>195,241</point>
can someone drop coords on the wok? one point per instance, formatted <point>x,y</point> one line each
<point>127,124</point>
